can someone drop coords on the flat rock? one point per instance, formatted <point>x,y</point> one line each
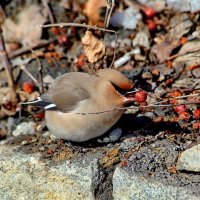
<point>128,186</point>
<point>27,177</point>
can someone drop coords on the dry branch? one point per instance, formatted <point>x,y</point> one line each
<point>6,62</point>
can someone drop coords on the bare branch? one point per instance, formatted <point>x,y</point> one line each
<point>41,87</point>
<point>138,107</point>
<point>23,67</point>
<point>48,9</point>
<point>61,25</point>
<point>110,6</point>
<point>24,50</point>
<point>6,62</point>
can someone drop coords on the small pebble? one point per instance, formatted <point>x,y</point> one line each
<point>41,148</point>
<point>24,142</point>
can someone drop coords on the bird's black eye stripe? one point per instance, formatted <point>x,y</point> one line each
<point>121,91</point>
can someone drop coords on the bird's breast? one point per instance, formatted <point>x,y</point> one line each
<point>80,127</point>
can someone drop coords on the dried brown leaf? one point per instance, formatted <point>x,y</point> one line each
<point>189,54</point>
<point>164,49</point>
<point>92,11</point>
<point>24,28</point>
<point>93,47</point>
<point>111,158</point>
<point>180,25</point>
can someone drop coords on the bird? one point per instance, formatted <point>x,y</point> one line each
<point>80,106</point>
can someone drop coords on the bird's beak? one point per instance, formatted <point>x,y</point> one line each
<point>129,95</point>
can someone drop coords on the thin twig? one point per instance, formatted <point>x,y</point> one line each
<point>23,67</point>
<point>61,25</point>
<point>107,12</point>
<point>181,97</point>
<point>110,6</point>
<point>185,96</point>
<point>195,97</point>
<point>23,50</point>
<point>138,107</point>
<point>114,51</point>
<point>48,9</point>
<point>6,62</point>
<point>41,87</point>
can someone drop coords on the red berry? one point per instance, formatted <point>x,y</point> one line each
<point>196,126</point>
<point>81,61</point>
<point>185,116</point>
<point>55,30</point>
<point>141,96</point>
<point>175,94</point>
<point>149,12</point>
<point>151,25</point>
<point>197,114</point>
<point>62,39</point>
<point>40,115</point>
<point>180,109</point>
<point>28,86</point>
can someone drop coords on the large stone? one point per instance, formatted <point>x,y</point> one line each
<point>27,177</point>
<point>127,186</point>
<point>189,160</point>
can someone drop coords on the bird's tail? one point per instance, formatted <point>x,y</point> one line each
<point>40,104</point>
<point>37,103</point>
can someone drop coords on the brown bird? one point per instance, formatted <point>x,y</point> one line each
<point>76,101</point>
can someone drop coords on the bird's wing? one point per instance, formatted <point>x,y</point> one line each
<point>66,92</point>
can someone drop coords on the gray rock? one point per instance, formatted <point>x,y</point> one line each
<point>189,160</point>
<point>113,136</point>
<point>141,39</point>
<point>11,125</point>
<point>27,177</point>
<point>126,186</point>
<point>24,128</point>
<point>127,19</point>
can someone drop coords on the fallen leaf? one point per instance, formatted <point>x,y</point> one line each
<point>179,26</point>
<point>111,158</point>
<point>92,11</point>
<point>189,47</point>
<point>172,170</point>
<point>164,49</point>
<point>93,47</point>
<point>24,28</point>
<point>188,54</point>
